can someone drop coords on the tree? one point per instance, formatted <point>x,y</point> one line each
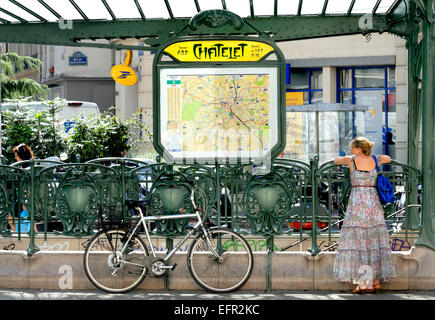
<point>104,136</point>
<point>12,88</point>
<point>34,128</point>
<point>98,137</point>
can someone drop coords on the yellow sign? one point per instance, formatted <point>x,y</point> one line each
<point>122,73</point>
<point>218,51</point>
<point>294,98</point>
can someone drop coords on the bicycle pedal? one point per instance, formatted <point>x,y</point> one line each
<point>173,267</point>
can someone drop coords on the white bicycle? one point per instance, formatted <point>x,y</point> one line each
<point>117,260</point>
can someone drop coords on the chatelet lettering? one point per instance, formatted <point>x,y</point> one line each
<point>218,51</point>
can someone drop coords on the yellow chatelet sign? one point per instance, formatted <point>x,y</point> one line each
<point>219,50</point>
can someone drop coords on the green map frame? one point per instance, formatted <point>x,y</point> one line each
<point>272,65</point>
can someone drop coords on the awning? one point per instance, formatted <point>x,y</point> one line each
<point>70,22</point>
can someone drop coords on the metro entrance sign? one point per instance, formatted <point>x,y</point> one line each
<point>218,51</point>
<point>219,100</point>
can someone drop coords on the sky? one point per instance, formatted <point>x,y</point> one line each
<point>124,9</point>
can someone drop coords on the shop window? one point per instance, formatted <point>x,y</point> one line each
<point>298,79</point>
<point>369,78</point>
<point>346,78</point>
<point>375,87</point>
<point>304,85</point>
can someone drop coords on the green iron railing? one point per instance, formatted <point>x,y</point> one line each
<point>295,205</point>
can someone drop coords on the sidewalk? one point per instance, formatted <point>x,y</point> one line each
<point>86,295</point>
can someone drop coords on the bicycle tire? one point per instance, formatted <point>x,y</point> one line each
<point>220,276</point>
<point>99,263</point>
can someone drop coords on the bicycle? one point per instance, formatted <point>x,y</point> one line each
<point>117,260</point>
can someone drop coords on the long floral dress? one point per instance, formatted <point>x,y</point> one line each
<point>364,243</point>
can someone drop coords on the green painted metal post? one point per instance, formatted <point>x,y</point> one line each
<point>124,191</point>
<point>169,247</point>
<point>412,219</point>
<point>32,249</point>
<point>1,148</point>
<point>314,166</point>
<point>218,195</point>
<point>270,249</point>
<point>427,234</point>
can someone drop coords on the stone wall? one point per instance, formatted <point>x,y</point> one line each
<point>289,271</point>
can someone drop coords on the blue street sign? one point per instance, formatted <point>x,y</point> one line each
<point>78,59</point>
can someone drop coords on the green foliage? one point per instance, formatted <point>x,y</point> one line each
<point>140,134</point>
<point>90,138</point>
<point>15,89</point>
<point>34,128</point>
<point>99,137</point>
<point>12,88</point>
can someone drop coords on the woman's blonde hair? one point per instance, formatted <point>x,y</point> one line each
<point>365,144</point>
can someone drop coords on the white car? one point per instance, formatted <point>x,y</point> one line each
<point>68,110</point>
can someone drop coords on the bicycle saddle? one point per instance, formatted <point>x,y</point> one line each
<point>135,203</point>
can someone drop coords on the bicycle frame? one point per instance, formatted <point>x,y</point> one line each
<point>203,243</point>
<point>198,225</point>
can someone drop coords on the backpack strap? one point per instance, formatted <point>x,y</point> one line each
<point>353,163</point>
<point>376,163</point>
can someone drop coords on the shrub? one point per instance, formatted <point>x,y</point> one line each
<point>36,129</point>
<point>98,137</point>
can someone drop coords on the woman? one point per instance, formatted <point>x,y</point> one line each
<point>22,152</point>
<point>364,254</point>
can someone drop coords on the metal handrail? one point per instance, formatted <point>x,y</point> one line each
<point>302,180</point>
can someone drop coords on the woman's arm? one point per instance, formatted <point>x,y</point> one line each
<point>342,161</point>
<point>384,159</point>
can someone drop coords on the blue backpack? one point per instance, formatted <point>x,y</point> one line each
<point>384,186</point>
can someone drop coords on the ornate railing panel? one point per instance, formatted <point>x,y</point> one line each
<point>13,186</point>
<point>335,194</point>
<point>303,202</point>
<point>76,193</point>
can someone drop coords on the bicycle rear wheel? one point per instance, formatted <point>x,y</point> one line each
<point>108,269</point>
<point>227,273</point>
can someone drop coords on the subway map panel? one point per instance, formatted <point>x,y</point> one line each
<point>213,115</point>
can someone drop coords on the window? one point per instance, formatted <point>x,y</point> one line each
<point>307,81</point>
<point>373,86</point>
<point>304,86</point>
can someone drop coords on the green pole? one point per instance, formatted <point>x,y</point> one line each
<point>1,147</point>
<point>169,247</point>
<point>412,219</point>
<point>270,249</point>
<point>427,234</point>
<point>32,249</point>
<point>314,164</point>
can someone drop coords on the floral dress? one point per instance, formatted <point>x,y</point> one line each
<point>363,250</point>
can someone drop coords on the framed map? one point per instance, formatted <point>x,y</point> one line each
<point>218,113</point>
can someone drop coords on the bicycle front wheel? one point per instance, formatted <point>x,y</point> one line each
<point>221,262</point>
<point>110,270</point>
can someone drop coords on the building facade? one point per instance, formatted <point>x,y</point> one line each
<point>364,70</point>
<point>72,73</point>
<point>355,69</point>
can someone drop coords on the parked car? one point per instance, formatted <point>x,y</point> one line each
<point>65,116</point>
